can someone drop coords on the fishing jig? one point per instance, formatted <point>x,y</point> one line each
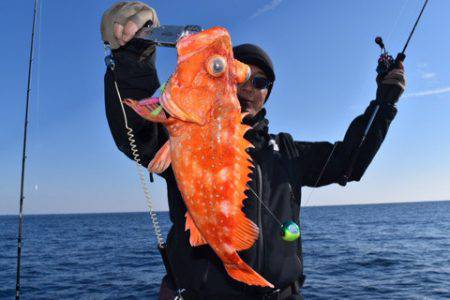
<point>290,231</point>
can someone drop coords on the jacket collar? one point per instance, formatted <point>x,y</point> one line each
<point>258,135</point>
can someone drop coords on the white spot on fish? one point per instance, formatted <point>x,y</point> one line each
<point>220,129</point>
<point>228,248</point>
<point>223,174</point>
<point>225,208</point>
<point>235,136</point>
<point>195,167</point>
<point>208,178</point>
<point>224,135</point>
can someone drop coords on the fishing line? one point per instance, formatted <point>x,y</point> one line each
<point>321,173</point>
<point>36,132</point>
<point>386,63</point>
<point>361,88</point>
<point>38,66</point>
<point>313,189</point>
<point>400,14</point>
<point>414,28</point>
<point>264,205</point>
<point>290,231</point>
<point>352,160</point>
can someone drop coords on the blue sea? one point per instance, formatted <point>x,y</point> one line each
<point>389,251</point>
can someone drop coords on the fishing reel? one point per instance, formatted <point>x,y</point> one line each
<point>386,62</point>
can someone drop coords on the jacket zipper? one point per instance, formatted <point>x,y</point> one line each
<point>205,275</point>
<point>260,245</point>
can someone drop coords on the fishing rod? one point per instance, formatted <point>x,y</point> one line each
<point>386,63</point>
<point>24,155</point>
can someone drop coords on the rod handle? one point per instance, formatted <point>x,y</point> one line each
<point>400,57</point>
<point>349,170</point>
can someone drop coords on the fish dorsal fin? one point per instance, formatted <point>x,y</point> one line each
<point>245,234</point>
<point>162,160</point>
<point>196,238</point>
<point>148,108</point>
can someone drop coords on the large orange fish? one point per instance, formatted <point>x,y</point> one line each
<point>206,146</point>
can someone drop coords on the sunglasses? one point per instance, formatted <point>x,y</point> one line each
<point>260,82</point>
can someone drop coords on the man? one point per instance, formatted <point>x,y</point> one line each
<point>282,165</point>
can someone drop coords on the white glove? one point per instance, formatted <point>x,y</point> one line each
<point>122,20</point>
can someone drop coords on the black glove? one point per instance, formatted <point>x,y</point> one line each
<point>392,85</point>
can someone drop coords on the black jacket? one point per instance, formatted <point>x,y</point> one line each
<point>277,178</point>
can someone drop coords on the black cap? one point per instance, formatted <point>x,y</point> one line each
<point>254,55</point>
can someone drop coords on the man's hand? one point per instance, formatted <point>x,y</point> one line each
<point>122,20</point>
<point>391,86</point>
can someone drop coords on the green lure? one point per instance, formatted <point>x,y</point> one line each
<point>156,111</point>
<point>162,87</point>
<point>290,231</point>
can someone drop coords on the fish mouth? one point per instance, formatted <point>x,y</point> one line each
<point>176,112</point>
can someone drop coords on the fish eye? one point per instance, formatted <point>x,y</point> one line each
<point>216,65</point>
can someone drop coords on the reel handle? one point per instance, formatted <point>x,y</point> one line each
<point>379,42</point>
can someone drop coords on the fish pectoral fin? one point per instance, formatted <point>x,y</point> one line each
<point>245,234</point>
<point>195,238</point>
<point>148,108</point>
<point>161,161</point>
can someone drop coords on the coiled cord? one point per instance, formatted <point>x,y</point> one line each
<point>141,174</point>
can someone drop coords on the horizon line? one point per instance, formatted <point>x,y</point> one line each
<point>161,211</point>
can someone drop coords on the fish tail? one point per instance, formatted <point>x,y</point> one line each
<point>244,273</point>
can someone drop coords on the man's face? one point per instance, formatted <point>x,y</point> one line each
<point>251,98</point>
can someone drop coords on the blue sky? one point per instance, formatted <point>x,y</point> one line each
<point>324,57</point>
